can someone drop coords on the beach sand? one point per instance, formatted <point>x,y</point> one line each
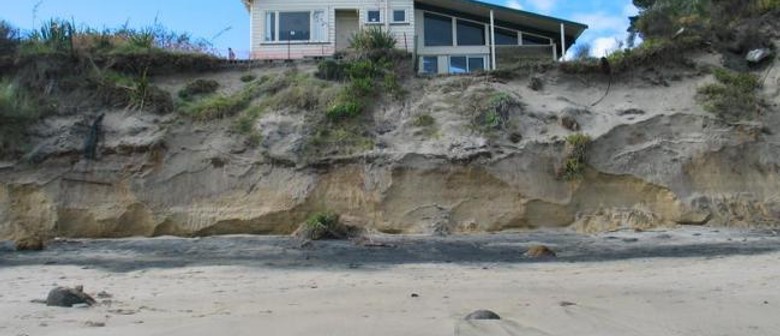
<point>688,281</point>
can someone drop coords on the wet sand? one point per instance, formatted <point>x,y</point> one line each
<point>688,281</point>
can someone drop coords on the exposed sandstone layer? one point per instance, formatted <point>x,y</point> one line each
<point>656,159</point>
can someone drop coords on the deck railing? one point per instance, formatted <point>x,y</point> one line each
<point>514,54</point>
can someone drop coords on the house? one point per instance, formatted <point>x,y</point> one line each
<point>447,36</point>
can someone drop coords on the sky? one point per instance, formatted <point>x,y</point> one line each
<point>225,23</point>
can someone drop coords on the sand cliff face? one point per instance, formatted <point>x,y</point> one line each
<point>656,159</point>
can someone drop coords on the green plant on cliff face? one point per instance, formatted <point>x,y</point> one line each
<point>18,109</point>
<point>733,97</point>
<point>577,154</point>
<point>198,87</point>
<point>493,110</point>
<point>322,225</point>
<point>373,38</point>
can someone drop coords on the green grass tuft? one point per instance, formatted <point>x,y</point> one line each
<point>734,97</point>
<point>577,155</point>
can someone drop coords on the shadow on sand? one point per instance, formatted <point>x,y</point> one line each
<point>123,255</point>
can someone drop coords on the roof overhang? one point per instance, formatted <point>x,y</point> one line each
<point>247,3</point>
<point>510,17</point>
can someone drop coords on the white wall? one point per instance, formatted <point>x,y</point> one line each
<point>264,50</point>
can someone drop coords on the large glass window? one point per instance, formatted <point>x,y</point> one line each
<point>430,64</point>
<point>506,37</point>
<point>438,30</point>
<point>476,64</point>
<point>295,26</point>
<point>535,40</point>
<point>270,26</point>
<point>470,33</point>
<point>465,64</point>
<point>458,64</point>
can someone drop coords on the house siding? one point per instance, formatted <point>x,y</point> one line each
<point>261,49</point>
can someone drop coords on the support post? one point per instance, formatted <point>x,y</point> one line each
<point>492,40</point>
<point>563,40</point>
<point>388,15</point>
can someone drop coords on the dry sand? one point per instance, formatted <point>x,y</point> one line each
<point>689,281</point>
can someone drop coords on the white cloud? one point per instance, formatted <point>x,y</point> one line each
<point>630,10</point>
<point>604,46</point>
<point>514,4</point>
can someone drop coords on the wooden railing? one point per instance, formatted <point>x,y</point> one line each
<point>513,54</point>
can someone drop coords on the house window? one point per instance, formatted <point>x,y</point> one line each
<point>430,64</point>
<point>438,30</point>
<point>535,40</point>
<point>270,26</point>
<point>458,64</point>
<point>319,25</point>
<point>295,26</point>
<point>465,64</point>
<point>506,37</point>
<point>399,16</point>
<point>374,16</point>
<point>311,26</point>
<point>476,64</point>
<point>470,33</point>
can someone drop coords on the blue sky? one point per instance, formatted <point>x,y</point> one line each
<point>207,18</point>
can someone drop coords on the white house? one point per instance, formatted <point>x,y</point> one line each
<point>447,36</point>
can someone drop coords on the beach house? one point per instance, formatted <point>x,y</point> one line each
<point>446,36</point>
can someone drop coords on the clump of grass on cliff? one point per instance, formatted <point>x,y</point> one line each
<point>198,87</point>
<point>218,105</point>
<point>18,109</point>
<point>325,225</point>
<point>373,70</point>
<point>574,162</point>
<point>734,97</point>
<point>491,110</point>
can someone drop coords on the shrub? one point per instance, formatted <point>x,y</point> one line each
<point>9,41</point>
<point>373,38</point>
<point>344,109</point>
<point>325,225</point>
<point>332,70</point>
<point>392,86</point>
<point>199,87</point>
<point>303,93</point>
<point>495,114</point>
<point>733,97</point>
<point>217,107</point>
<point>248,78</point>
<point>56,35</point>
<point>576,157</point>
<point>17,111</point>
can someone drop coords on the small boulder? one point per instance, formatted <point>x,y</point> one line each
<point>571,117</point>
<point>482,315</point>
<point>536,84</point>
<point>29,244</point>
<point>569,123</point>
<point>68,297</point>
<point>540,251</point>
<point>758,55</point>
